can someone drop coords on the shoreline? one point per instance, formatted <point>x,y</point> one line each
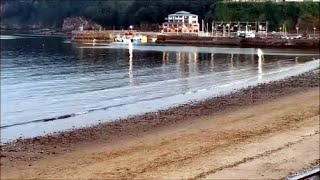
<point>32,149</point>
<point>271,133</point>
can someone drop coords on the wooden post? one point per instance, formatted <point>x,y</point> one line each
<point>216,29</point>
<point>212,28</point>
<point>202,26</point>
<point>266,28</point>
<point>207,28</point>
<point>229,28</point>
<point>223,30</point>
<point>255,26</point>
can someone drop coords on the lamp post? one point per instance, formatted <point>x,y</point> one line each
<point>280,30</point>
<point>314,31</point>
<point>131,27</point>
<point>297,28</point>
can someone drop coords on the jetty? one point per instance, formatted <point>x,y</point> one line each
<point>90,36</point>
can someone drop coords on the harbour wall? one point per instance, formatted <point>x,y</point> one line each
<point>240,42</point>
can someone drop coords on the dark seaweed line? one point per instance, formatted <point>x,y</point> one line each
<point>40,120</point>
<point>71,115</point>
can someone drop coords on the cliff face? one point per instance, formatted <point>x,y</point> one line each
<point>74,23</point>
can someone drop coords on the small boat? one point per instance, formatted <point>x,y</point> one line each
<point>136,39</point>
<point>123,39</point>
<point>144,39</point>
<point>153,40</point>
<point>127,39</point>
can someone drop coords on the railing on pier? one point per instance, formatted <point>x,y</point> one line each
<point>179,34</point>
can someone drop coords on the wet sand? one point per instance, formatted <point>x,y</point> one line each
<point>266,131</point>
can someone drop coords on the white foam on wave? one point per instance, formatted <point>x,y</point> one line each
<point>12,37</point>
<point>8,37</point>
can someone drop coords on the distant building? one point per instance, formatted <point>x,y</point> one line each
<point>181,21</point>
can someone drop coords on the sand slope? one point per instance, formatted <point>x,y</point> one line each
<point>260,141</point>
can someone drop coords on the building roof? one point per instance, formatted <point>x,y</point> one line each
<point>183,13</point>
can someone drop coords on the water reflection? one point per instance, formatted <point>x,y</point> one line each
<point>80,54</point>
<point>231,62</point>
<point>212,61</point>
<point>130,62</point>
<point>165,57</point>
<point>260,63</point>
<point>178,57</point>
<point>195,58</point>
<point>195,64</point>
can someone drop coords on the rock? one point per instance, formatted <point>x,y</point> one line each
<point>2,155</point>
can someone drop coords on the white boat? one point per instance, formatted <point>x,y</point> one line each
<point>123,39</point>
<point>153,39</point>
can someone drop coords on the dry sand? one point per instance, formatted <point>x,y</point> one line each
<point>268,140</point>
<point>261,132</point>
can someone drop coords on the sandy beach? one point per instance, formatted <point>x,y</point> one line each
<point>262,132</point>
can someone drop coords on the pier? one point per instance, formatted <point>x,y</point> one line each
<point>105,36</point>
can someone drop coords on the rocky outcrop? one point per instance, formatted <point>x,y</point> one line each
<point>75,23</point>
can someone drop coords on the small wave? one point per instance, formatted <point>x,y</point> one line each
<point>8,37</point>
<point>67,41</point>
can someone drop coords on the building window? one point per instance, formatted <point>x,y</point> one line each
<point>194,21</point>
<point>194,16</point>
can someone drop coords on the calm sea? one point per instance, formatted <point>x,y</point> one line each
<point>49,84</point>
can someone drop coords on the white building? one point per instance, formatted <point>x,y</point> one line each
<point>181,21</point>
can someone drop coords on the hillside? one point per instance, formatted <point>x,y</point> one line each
<point>291,14</point>
<point>149,13</point>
